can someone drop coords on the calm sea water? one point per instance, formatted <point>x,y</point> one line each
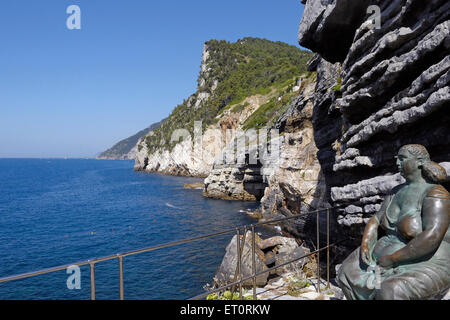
<point>56,211</point>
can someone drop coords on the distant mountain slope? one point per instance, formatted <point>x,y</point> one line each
<point>126,148</point>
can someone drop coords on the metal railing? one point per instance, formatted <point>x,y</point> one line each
<point>238,279</point>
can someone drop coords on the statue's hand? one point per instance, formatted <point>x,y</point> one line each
<point>386,261</point>
<point>365,255</point>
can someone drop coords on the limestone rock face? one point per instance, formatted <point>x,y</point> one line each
<point>234,176</point>
<point>331,24</point>
<point>390,88</point>
<point>233,182</point>
<point>141,156</point>
<point>295,182</point>
<point>186,159</point>
<point>241,171</point>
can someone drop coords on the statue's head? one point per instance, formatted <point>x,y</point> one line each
<point>414,160</point>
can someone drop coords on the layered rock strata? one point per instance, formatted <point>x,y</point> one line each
<point>391,88</point>
<point>236,173</point>
<point>286,177</point>
<point>295,183</point>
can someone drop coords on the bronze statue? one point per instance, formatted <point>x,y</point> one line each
<point>412,259</point>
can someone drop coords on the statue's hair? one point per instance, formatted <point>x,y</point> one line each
<point>431,171</point>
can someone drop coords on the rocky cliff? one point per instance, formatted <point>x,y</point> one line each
<point>383,86</point>
<point>260,150</point>
<point>296,184</point>
<point>241,86</point>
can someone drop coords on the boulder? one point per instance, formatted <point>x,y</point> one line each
<point>283,244</point>
<point>295,267</point>
<point>227,269</point>
<point>269,258</point>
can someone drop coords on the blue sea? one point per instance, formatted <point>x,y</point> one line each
<point>55,212</point>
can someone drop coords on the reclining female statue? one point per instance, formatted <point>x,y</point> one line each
<point>412,259</point>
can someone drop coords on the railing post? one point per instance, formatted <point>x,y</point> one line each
<point>254,262</point>
<point>121,291</point>
<point>92,265</point>
<point>328,248</point>
<point>318,247</point>
<point>240,263</point>
<point>238,248</point>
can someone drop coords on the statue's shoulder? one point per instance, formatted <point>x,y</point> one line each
<point>439,192</point>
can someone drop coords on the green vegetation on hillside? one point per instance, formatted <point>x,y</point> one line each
<point>247,67</point>
<point>239,107</point>
<point>269,112</point>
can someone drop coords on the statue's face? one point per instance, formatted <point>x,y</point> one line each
<point>407,164</point>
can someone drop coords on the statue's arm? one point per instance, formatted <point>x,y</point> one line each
<point>370,232</point>
<point>435,222</point>
<point>370,236</point>
<point>369,239</point>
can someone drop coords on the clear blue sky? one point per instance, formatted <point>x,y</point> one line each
<point>75,93</point>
